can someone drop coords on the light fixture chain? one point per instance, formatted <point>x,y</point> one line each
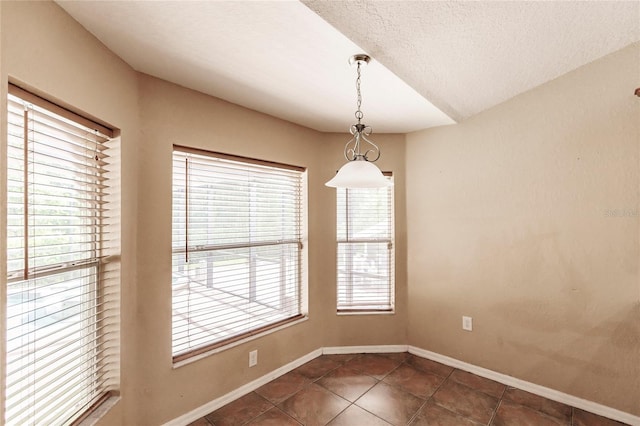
<point>359,113</point>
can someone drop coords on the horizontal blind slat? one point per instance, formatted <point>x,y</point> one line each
<point>60,321</point>
<point>239,224</point>
<point>365,272</point>
<point>19,96</point>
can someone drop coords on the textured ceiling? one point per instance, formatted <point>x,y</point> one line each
<point>468,56</point>
<point>432,60</point>
<point>271,56</point>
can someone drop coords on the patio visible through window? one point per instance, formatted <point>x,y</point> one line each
<point>237,248</point>
<point>365,249</point>
<point>61,316</point>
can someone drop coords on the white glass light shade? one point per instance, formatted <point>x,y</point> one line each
<point>359,174</point>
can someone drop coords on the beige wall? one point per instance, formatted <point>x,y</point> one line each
<point>174,115</point>
<point>509,222</point>
<point>355,330</point>
<point>44,49</point>
<point>506,223</point>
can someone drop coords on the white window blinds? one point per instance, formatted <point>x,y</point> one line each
<point>365,249</point>
<point>237,247</point>
<point>61,322</point>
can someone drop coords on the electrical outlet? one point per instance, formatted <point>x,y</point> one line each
<point>253,358</point>
<point>467,323</point>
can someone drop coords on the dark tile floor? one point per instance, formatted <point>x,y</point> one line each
<point>392,389</point>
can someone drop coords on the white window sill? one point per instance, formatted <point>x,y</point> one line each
<point>348,313</point>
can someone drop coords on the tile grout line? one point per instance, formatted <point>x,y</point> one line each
<point>378,381</point>
<point>434,392</point>
<point>406,363</point>
<point>400,363</point>
<point>495,411</point>
<point>448,377</point>
<point>311,381</point>
<point>381,380</point>
<point>538,411</point>
<point>342,364</point>
<point>573,412</point>
<point>415,415</point>
<point>270,408</point>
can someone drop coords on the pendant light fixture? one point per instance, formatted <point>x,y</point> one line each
<point>360,172</point>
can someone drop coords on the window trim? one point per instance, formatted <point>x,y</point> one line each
<point>391,241</point>
<point>240,158</point>
<point>30,97</point>
<point>191,355</point>
<point>101,260</point>
<point>204,351</point>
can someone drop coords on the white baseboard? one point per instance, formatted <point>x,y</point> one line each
<point>549,393</point>
<point>334,350</point>
<point>564,398</point>
<point>213,405</point>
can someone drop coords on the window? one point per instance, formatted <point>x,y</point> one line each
<point>61,334</point>
<point>365,249</point>
<point>237,248</point>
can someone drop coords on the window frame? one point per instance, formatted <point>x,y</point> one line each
<point>197,352</point>
<point>43,288</point>
<point>389,308</point>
